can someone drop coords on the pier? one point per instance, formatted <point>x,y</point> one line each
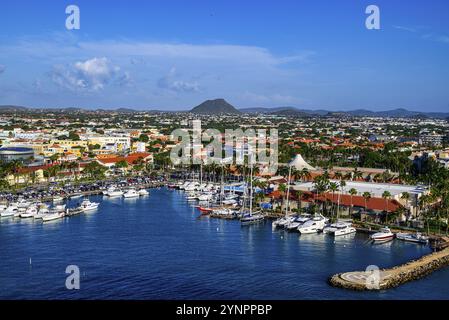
<point>393,277</point>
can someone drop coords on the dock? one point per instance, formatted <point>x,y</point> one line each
<point>393,277</point>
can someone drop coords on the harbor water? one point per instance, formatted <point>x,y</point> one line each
<point>157,247</point>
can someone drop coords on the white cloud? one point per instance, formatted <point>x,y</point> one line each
<point>170,82</point>
<point>88,75</point>
<point>252,98</point>
<point>404,28</point>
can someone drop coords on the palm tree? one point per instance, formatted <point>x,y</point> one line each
<point>352,192</point>
<point>386,195</point>
<point>333,187</point>
<point>357,174</point>
<point>366,195</point>
<point>406,196</point>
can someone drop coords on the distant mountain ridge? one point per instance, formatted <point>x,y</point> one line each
<point>394,113</point>
<point>216,106</point>
<point>221,106</point>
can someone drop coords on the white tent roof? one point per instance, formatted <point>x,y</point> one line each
<point>299,163</point>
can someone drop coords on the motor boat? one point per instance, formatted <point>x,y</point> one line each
<point>3,207</point>
<point>76,196</point>
<point>52,216</point>
<point>410,237</point>
<point>224,212</point>
<point>87,205</point>
<point>251,218</point>
<point>131,193</point>
<point>30,212</point>
<point>21,203</point>
<point>10,211</point>
<point>113,192</point>
<point>43,211</point>
<point>205,197</point>
<point>295,223</point>
<point>58,199</point>
<point>313,225</point>
<point>339,229</point>
<point>205,210</point>
<point>384,235</point>
<point>143,192</point>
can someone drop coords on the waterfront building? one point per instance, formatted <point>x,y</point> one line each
<point>10,153</point>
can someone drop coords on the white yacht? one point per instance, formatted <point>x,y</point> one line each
<point>313,225</point>
<point>52,216</point>
<point>22,203</point>
<point>131,193</point>
<point>143,192</point>
<point>297,222</point>
<point>384,235</point>
<point>3,207</point>
<point>30,212</point>
<point>417,237</point>
<point>205,196</point>
<point>113,192</point>
<point>10,211</point>
<point>339,229</point>
<point>58,199</point>
<point>87,205</point>
<point>43,211</point>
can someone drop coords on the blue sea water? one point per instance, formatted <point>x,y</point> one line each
<point>156,247</point>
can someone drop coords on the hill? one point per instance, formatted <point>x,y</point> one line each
<point>216,106</point>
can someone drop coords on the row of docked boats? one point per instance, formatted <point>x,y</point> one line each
<point>307,224</point>
<point>42,211</point>
<point>114,192</point>
<point>386,235</point>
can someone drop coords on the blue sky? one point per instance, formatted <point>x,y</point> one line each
<point>172,55</point>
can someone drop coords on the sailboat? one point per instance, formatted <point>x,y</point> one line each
<point>251,217</point>
<point>286,221</point>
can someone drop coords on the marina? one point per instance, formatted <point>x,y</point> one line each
<point>161,247</point>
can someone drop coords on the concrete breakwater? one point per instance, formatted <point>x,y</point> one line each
<point>393,277</point>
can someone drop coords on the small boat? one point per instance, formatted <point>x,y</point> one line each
<point>112,192</point>
<point>87,205</point>
<point>58,199</point>
<point>76,196</point>
<point>384,235</point>
<point>205,210</point>
<point>143,192</point>
<point>10,211</point>
<point>21,203</point>
<point>417,237</point>
<point>205,197</point>
<point>131,193</point>
<point>52,216</point>
<point>313,225</point>
<point>251,218</point>
<point>30,212</point>
<point>42,213</point>
<point>339,229</point>
<point>3,207</point>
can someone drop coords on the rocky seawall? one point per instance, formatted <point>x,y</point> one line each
<point>393,277</point>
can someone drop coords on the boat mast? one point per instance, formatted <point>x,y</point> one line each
<point>288,189</point>
<point>251,189</point>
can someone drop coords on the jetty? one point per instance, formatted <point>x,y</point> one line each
<point>393,277</point>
